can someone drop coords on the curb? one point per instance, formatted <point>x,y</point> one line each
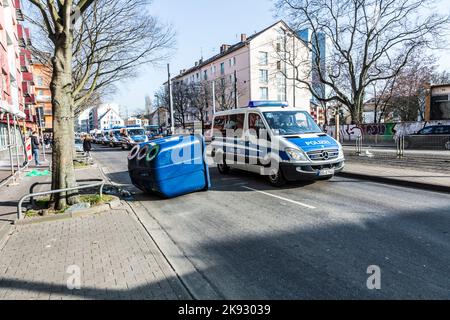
<point>397,182</point>
<point>114,204</point>
<point>195,284</point>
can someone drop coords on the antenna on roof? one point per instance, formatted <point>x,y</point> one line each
<point>201,53</point>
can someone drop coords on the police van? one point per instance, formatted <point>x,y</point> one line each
<point>272,139</point>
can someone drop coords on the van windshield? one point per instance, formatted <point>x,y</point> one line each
<point>285,123</point>
<point>136,132</point>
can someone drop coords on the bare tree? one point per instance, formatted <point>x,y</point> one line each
<point>403,94</point>
<point>367,41</point>
<point>200,101</point>
<point>180,95</point>
<point>94,44</point>
<point>225,93</point>
<point>442,77</point>
<point>409,88</point>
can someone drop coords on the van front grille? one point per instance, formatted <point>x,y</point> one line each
<point>323,155</point>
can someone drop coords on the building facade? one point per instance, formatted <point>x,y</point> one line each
<point>16,84</point>
<point>109,120</point>
<point>42,77</point>
<point>95,113</point>
<point>256,68</point>
<point>437,105</point>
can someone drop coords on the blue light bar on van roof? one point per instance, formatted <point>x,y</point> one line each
<point>267,103</point>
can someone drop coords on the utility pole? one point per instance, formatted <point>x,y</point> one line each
<point>172,120</point>
<point>236,101</point>
<point>293,67</point>
<point>337,120</point>
<point>10,144</point>
<point>41,133</point>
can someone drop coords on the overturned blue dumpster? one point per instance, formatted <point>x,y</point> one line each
<point>171,166</point>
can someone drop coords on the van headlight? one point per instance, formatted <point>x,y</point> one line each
<point>341,152</point>
<point>296,155</point>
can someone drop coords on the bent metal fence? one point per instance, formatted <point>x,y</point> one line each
<point>99,183</point>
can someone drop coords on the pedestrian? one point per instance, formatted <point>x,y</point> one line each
<point>87,145</point>
<point>47,141</point>
<point>35,147</point>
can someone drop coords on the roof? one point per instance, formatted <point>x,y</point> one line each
<point>258,109</point>
<point>440,85</point>
<point>235,47</point>
<point>101,117</point>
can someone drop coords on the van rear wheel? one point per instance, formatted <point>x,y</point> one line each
<point>223,167</point>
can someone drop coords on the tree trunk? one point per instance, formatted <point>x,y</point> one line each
<point>63,173</point>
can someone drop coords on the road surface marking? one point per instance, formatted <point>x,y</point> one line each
<point>281,198</point>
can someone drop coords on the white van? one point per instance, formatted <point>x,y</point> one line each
<point>270,138</point>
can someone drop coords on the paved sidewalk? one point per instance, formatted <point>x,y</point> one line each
<point>116,256</point>
<point>439,181</point>
<point>117,259</point>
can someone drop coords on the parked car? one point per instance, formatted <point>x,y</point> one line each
<point>432,137</point>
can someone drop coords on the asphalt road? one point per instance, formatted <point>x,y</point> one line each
<point>306,240</point>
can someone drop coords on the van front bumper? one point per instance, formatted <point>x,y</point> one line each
<point>294,171</point>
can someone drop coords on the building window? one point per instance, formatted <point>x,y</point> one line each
<point>205,75</point>
<point>281,87</point>
<point>39,81</point>
<point>263,58</point>
<point>234,61</point>
<point>264,93</point>
<point>263,76</point>
<point>222,68</point>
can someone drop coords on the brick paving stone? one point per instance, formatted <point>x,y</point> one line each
<point>116,257</point>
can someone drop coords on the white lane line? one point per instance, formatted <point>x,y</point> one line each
<point>281,198</point>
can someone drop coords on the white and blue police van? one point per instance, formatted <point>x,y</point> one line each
<point>272,139</point>
<point>134,135</point>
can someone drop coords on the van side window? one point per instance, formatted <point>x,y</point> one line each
<point>235,122</point>
<point>235,125</point>
<point>256,127</point>
<point>219,126</point>
<point>255,122</point>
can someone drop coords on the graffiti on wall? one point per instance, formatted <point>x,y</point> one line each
<point>350,132</point>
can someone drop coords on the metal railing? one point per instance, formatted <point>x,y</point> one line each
<point>400,145</point>
<point>101,183</point>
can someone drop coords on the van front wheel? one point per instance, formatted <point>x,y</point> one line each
<point>223,167</point>
<point>276,178</point>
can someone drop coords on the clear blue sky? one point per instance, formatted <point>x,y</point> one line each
<point>203,25</point>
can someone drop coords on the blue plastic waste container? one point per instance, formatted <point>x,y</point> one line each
<point>171,166</point>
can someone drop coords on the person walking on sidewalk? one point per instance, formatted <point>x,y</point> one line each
<point>35,147</point>
<point>87,145</point>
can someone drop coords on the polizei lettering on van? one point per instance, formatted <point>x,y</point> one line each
<point>317,143</point>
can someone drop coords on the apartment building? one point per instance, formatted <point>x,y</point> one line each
<point>256,68</point>
<point>16,85</point>
<point>11,83</point>
<point>42,74</point>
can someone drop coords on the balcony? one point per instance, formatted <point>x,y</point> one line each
<point>19,13</point>
<point>31,99</point>
<point>43,98</point>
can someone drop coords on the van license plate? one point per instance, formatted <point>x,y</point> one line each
<point>326,172</point>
